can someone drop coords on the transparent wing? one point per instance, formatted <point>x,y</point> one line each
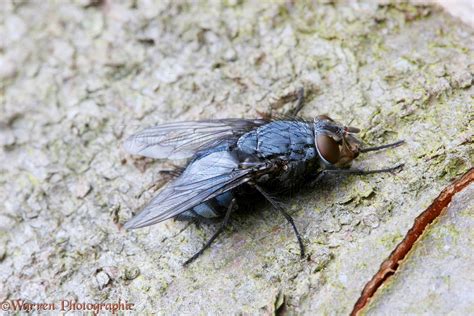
<point>182,139</point>
<point>202,180</point>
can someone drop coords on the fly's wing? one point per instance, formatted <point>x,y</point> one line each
<point>202,180</point>
<point>182,139</point>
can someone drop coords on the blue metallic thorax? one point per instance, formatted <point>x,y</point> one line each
<point>289,141</point>
<point>293,140</point>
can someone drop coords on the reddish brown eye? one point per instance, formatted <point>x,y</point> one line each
<point>328,148</point>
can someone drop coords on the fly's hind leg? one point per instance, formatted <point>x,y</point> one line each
<point>286,215</point>
<point>216,234</point>
<point>171,174</point>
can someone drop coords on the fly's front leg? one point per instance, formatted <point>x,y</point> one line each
<point>216,234</point>
<point>357,171</point>
<point>318,178</point>
<point>361,171</point>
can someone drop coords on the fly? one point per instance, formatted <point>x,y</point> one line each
<point>229,156</point>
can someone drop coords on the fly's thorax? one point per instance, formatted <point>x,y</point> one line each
<point>335,143</point>
<point>288,147</point>
<point>278,138</point>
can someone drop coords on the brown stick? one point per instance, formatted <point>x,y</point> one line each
<point>391,264</point>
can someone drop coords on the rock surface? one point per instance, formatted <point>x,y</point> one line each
<point>76,79</point>
<point>437,278</point>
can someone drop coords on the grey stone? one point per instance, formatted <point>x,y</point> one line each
<point>77,79</point>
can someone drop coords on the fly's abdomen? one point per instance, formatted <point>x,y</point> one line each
<point>211,209</point>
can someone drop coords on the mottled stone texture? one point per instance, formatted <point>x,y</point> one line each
<point>77,78</point>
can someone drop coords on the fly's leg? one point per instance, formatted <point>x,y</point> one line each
<point>367,149</point>
<point>171,173</point>
<point>356,171</point>
<point>362,171</point>
<point>286,215</point>
<point>216,234</point>
<point>299,103</point>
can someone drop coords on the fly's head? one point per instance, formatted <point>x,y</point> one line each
<point>336,144</point>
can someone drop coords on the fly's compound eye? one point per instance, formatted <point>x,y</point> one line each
<point>328,149</point>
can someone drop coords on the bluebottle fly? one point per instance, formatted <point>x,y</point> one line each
<point>265,155</point>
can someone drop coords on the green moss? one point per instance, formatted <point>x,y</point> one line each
<point>391,240</point>
<point>33,180</point>
<point>453,167</point>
